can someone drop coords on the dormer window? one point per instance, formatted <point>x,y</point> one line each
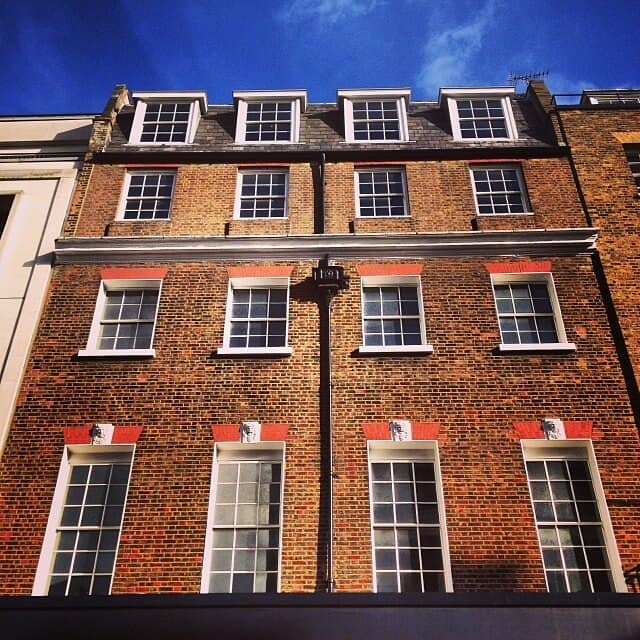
<point>480,114</point>
<point>167,118</point>
<point>269,116</point>
<point>375,115</point>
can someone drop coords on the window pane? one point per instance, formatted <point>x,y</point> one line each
<point>267,309</point>
<point>406,548</point>
<point>88,529</point>
<point>251,551</point>
<point>569,550</point>
<point>399,311</point>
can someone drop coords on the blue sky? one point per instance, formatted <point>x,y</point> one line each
<point>65,55</point>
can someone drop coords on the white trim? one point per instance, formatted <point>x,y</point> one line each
<point>401,96</point>
<point>375,169</point>
<point>116,353</point>
<point>474,92</point>
<point>272,96</point>
<point>141,109</point>
<point>297,99</point>
<point>491,93</point>
<point>78,454</point>
<point>535,449</point>
<point>173,96</point>
<point>229,451</point>
<point>257,171</point>
<point>366,94</point>
<point>539,277</point>
<point>394,281</point>
<point>273,282</point>
<point>382,350</point>
<point>546,346</point>
<point>92,349</point>
<point>125,192</point>
<point>530,242</point>
<point>520,177</point>
<point>284,351</point>
<point>414,451</point>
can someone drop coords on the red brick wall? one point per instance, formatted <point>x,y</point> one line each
<point>613,205</point>
<point>176,396</point>
<point>203,204</point>
<point>441,198</point>
<point>473,392</point>
<point>476,395</point>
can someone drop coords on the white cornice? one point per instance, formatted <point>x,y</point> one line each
<point>186,96</point>
<point>364,94</point>
<point>471,92</point>
<point>533,242</point>
<point>285,94</point>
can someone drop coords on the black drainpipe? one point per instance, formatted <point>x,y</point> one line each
<point>329,280</point>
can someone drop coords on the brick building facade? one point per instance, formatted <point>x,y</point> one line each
<point>603,132</point>
<point>455,420</point>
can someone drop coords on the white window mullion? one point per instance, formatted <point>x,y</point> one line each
<point>244,531</point>
<point>409,542</point>
<point>81,543</point>
<point>111,342</point>
<point>257,300</point>
<point>577,546</point>
<point>393,315</point>
<point>528,312</point>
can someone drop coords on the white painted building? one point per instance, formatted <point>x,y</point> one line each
<point>40,157</point>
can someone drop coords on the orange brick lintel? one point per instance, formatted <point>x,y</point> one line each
<point>269,432</point>
<point>82,435</point>
<point>524,266</point>
<point>573,429</point>
<point>392,163</point>
<point>419,430</point>
<point>157,166</point>
<point>390,269</point>
<point>133,273</point>
<point>262,165</point>
<point>257,271</point>
<point>497,161</point>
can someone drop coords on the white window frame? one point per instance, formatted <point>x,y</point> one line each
<point>410,451</point>
<point>92,348</point>
<point>502,167</point>
<point>451,96</point>
<point>258,171</point>
<point>73,455</point>
<point>276,282</point>
<point>401,96</point>
<point>198,100</point>
<point>125,193</point>
<point>632,154</point>
<point>272,451</point>
<point>535,449</point>
<point>297,99</point>
<point>394,281</point>
<point>537,278</point>
<point>356,180</point>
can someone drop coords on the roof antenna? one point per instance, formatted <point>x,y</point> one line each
<point>516,78</point>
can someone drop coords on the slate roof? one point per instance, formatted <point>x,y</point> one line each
<point>322,129</point>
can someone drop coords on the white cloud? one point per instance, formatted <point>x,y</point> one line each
<point>559,83</point>
<point>562,86</point>
<point>327,10</point>
<point>451,50</point>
